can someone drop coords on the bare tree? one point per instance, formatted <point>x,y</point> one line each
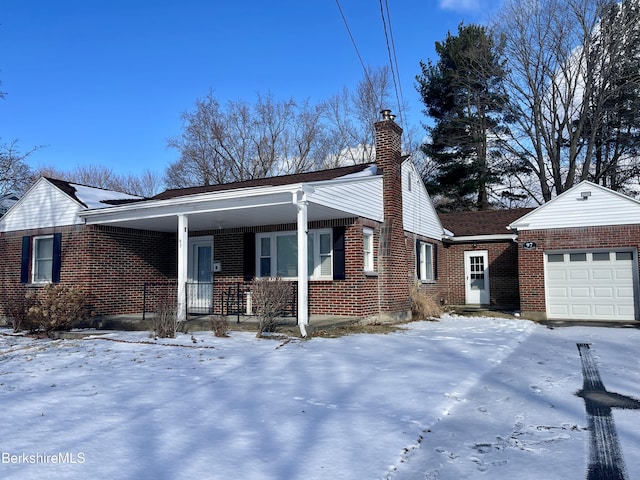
<point>242,141</point>
<point>15,174</point>
<point>147,184</point>
<point>557,82</point>
<point>351,116</point>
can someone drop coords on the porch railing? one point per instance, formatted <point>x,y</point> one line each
<point>221,297</point>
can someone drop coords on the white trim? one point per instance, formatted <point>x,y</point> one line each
<point>369,264</point>
<point>482,238</point>
<point>273,236</point>
<point>35,259</point>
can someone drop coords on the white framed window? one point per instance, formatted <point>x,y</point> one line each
<point>367,248</point>
<point>277,254</point>
<point>42,259</point>
<point>425,262</point>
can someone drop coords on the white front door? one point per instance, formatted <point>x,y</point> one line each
<point>200,288</point>
<point>476,274</point>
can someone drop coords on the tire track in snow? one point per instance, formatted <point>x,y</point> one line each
<point>605,455</point>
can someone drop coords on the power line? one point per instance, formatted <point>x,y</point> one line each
<point>393,60</point>
<point>344,19</point>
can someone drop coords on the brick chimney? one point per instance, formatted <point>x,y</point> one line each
<point>393,261</point>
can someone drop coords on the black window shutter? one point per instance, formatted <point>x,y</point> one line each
<point>435,261</point>
<point>418,243</point>
<point>339,263</point>
<point>57,257</point>
<point>249,266</point>
<point>25,260</point>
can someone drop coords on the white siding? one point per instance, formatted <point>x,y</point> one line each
<point>360,197</point>
<point>419,216</point>
<point>601,206</point>
<point>42,206</point>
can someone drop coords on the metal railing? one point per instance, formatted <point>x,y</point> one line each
<point>221,297</point>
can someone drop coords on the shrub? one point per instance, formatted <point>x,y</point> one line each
<point>56,308</point>
<point>423,306</point>
<point>219,325</point>
<point>18,312</point>
<point>270,296</point>
<point>165,320</point>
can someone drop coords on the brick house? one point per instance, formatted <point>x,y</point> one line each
<point>482,258</point>
<point>370,233</point>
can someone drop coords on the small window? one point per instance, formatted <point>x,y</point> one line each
<point>42,267</point>
<point>367,240</point>
<point>555,258</point>
<point>326,261</point>
<point>265,257</point>
<point>624,255</point>
<point>601,256</point>
<point>425,262</point>
<point>577,257</point>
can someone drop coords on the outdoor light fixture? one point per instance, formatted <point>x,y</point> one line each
<point>585,195</point>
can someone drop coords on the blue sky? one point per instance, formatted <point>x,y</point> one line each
<point>104,82</point>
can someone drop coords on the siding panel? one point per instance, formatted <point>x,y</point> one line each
<point>42,206</point>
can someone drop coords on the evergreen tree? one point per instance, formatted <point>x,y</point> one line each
<point>463,94</point>
<point>613,115</point>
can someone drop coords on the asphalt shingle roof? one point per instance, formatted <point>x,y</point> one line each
<point>484,222</point>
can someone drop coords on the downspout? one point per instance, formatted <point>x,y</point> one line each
<point>183,266</point>
<point>303,271</point>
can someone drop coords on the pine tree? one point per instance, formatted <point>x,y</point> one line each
<point>463,94</point>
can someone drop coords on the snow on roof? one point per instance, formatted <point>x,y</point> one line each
<point>93,197</point>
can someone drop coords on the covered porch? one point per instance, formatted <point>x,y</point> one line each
<point>204,283</point>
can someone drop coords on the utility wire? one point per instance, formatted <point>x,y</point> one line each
<point>393,61</point>
<point>344,19</point>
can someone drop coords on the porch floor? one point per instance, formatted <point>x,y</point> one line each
<point>197,323</point>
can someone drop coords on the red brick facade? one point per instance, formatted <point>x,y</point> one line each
<point>531,262</point>
<point>111,265</point>
<point>503,273</point>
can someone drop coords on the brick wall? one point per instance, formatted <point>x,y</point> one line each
<point>503,273</point>
<point>531,262</point>
<point>109,264</point>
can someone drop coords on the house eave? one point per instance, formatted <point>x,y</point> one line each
<point>481,238</point>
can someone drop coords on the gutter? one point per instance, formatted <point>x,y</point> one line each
<point>481,238</point>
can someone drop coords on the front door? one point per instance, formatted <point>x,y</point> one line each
<point>200,288</point>
<point>476,274</point>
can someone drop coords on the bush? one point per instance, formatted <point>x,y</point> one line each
<point>423,306</point>
<point>270,296</point>
<point>165,320</point>
<point>18,312</point>
<point>55,308</point>
<point>219,325</point>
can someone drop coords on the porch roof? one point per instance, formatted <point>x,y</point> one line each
<point>248,206</point>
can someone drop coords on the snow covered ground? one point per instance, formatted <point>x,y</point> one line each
<point>454,399</point>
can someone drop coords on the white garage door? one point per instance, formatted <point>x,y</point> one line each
<point>591,285</point>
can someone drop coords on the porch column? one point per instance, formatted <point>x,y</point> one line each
<point>183,265</point>
<point>303,270</point>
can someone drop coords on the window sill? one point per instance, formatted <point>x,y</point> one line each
<point>368,273</point>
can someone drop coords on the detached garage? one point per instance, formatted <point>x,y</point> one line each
<point>578,256</point>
